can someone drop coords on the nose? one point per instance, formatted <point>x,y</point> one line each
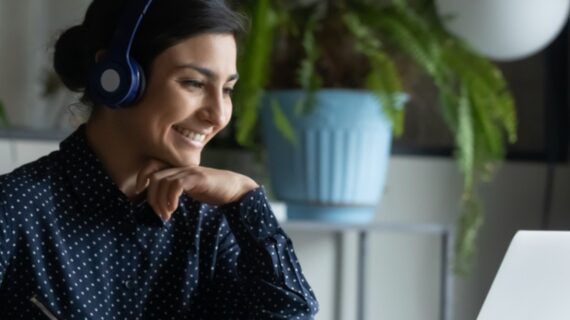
<point>215,110</point>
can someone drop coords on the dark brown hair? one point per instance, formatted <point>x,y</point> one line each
<point>166,23</point>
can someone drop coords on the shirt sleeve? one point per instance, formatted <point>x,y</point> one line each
<point>257,274</point>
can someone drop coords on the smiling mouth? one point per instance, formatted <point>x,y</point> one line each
<point>192,135</point>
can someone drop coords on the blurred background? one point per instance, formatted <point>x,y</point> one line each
<point>460,75</point>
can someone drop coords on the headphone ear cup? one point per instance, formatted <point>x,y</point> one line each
<point>115,82</point>
<point>141,83</point>
<point>118,81</point>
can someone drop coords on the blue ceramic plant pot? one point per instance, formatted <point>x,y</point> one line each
<point>337,169</point>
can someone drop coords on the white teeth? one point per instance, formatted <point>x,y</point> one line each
<point>190,134</point>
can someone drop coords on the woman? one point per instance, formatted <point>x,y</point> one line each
<point>122,222</point>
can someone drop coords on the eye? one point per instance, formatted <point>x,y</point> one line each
<point>193,83</point>
<point>228,91</point>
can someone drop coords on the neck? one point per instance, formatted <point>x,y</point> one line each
<point>120,158</point>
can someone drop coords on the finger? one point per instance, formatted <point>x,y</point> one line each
<point>151,195</point>
<point>174,192</point>
<point>154,190</point>
<point>162,197</point>
<point>158,191</point>
<point>147,170</point>
<point>188,181</point>
<point>198,186</point>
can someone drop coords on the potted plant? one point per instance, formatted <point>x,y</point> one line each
<point>298,52</point>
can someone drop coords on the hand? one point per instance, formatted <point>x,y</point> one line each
<point>164,186</point>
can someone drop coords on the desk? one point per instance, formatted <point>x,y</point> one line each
<point>363,231</point>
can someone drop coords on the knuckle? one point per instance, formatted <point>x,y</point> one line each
<point>153,178</point>
<point>177,183</point>
<point>174,181</point>
<point>200,175</point>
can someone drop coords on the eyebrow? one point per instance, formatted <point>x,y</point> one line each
<point>207,72</point>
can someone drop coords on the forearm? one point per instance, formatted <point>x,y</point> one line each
<point>267,259</point>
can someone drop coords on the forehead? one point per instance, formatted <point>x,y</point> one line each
<point>217,52</point>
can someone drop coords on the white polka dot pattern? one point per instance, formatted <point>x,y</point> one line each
<point>71,238</point>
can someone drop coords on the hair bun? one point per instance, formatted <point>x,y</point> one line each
<point>71,60</point>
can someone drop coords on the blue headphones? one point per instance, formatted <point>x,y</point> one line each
<point>117,80</point>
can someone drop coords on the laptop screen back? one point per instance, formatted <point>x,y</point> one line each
<point>533,282</point>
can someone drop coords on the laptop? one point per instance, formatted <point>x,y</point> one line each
<point>533,282</point>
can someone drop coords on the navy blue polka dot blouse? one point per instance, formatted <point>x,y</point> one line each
<point>72,246</point>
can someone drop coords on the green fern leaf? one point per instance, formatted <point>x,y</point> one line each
<point>384,82</point>
<point>470,222</point>
<point>465,140</point>
<point>254,69</point>
<point>307,75</point>
<point>283,124</point>
<point>383,79</point>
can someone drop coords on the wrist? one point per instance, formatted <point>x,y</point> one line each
<point>247,184</point>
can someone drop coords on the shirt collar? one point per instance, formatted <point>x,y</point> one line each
<point>88,177</point>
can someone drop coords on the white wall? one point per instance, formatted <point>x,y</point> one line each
<point>28,29</point>
<point>404,270</point>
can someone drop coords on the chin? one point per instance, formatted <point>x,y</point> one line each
<point>188,161</point>
<point>178,157</point>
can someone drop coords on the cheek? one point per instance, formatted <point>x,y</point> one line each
<point>147,123</point>
<point>164,110</point>
<point>229,112</point>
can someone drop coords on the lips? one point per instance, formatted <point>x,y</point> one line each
<point>190,134</point>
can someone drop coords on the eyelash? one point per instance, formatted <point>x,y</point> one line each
<point>229,91</point>
<point>193,83</point>
<point>201,85</point>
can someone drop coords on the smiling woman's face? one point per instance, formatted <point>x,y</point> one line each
<point>187,100</point>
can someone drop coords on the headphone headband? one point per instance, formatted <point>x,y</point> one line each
<point>128,26</point>
<point>117,80</point>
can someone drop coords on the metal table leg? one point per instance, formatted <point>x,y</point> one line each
<point>361,274</point>
<point>446,276</point>
<point>339,258</point>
